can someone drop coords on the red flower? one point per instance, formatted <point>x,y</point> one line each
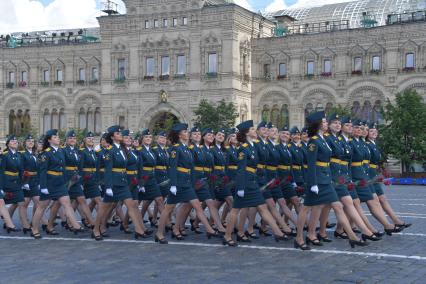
<point>380,178</point>
<point>386,173</point>
<point>351,186</point>
<point>198,184</point>
<point>145,178</point>
<point>225,180</point>
<point>362,183</point>
<point>213,177</point>
<point>134,181</point>
<point>8,195</point>
<point>289,179</point>
<point>387,182</point>
<point>26,174</point>
<point>86,178</point>
<point>341,180</point>
<point>300,189</point>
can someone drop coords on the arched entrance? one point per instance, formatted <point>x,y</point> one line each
<point>162,121</point>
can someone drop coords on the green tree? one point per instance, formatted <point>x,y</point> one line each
<point>404,134</point>
<point>219,115</point>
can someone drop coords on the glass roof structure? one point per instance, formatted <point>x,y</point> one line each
<point>356,12</point>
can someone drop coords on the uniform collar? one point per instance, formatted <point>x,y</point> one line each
<point>117,145</point>
<point>54,148</point>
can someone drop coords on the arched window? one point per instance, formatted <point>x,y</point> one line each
<point>55,119</point>
<point>12,121</point>
<point>308,109</point>
<point>82,119</point>
<point>90,120</point>
<point>62,119</point>
<point>275,115</point>
<point>98,120</point>
<point>356,109</point>
<point>285,121</point>
<point>366,111</point>
<point>377,112</point>
<point>328,108</point>
<point>46,120</point>
<point>266,113</point>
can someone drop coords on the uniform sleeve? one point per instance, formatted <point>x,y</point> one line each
<point>1,172</point>
<point>311,179</point>
<point>44,162</point>
<point>108,169</point>
<point>241,171</point>
<point>174,158</point>
<point>82,162</point>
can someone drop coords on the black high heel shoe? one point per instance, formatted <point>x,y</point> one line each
<point>162,241</point>
<point>195,229</point>
<point>265,233</point>
<point>178,237</point>
<point>360,243</point>
<point>35,236</point>
<point>303,246</point>
<point>284,237</point>
<point>243,239</point>
<point>26,230</point>
<point>152,223</point>
<point>403,225</point>
<point>214,235</point>
<point>330,225</point>
<point>86,224</point>
<point>125,230</point>
<point>9,229</point>
<point>183,232</point>
<point>97,237</point>
<point>251,235</point>
<point>149,231</point>
<point>77,230</point>
<point>64,224</point>
<point>229,243</point>
<point>323,239</point>
<point>292,233</point>
<point>373,237</point>
<point>341,235</point>
<point>395,229</point>
<point>142,236</point>
<point>314,242</point>
<point>379,234</point>
<point>51,232</point>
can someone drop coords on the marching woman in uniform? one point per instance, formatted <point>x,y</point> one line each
<point>30,176</point>
<point>319,190</point>
<point>53,185</point>
<point>4,212</point>
<point>222,191</point>
<point>340,176</point>
<point>74,179</point>
<point>89,173</point>
<point>360,177</point>
<point>181,190</point>
<point>373,172</point>
<point>149,190</point>
<point>116,186</point>
<point>11,170</point>
<point>248,192</point>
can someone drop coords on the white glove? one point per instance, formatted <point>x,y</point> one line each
<point>240,193</point>
<point>26,187</point>
<point>294,185</point>
<point>38,187</point>
<point>100,188</point>
<point>108,192</point>
<point>82,188</point>
<point>173,190</point>
<point>1,191</point>
<point>44,191</point>
<point>141,189</point>
<point>314,189</point>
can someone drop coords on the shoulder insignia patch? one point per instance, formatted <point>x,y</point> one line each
<point>173,154</point>
<point>312,147</point>
<point>109,147</point>
<point>241,156</point>
<point>107,157</point>
<point>43,158</point>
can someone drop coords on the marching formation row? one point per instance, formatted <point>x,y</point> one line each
<point>332,163</point>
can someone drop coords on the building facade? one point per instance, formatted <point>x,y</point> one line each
<point>162,57</point>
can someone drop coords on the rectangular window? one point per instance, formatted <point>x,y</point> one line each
<point>46,76</point>
<point>165,65</point>
<point>150,66</point>
<point>95,73</point>
<point>175,22</point>
<point>82,74</point>
<point>184,21</point>
<point>165,23</point>
<point>282,69</point>
<point>244,64</point>
<point>59,76</point>
<point>376,64</point>
<point>267,71</point>
<point>121,69</point>
<point>409,60</point>
<point>357,64</point>
<point>146,24</point>
<point>156,24</point>
<point>327,66</point>
<point>212,67</point>
<point>310,68</point>
<point>24,76</point>
<point>11,77</point>
<point>181,64</point>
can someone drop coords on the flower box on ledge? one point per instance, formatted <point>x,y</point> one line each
<point>211,74</point>
<point>179,76</point>
<point>281,77</point>
<point>409,69</point>
<point>44,84</point>
<point>148,77</point>
<point>93,82</point>
<point>164,77</point>
<point>375,72</point>
<point>22,84</point>
<point>10,85</point>
<point>120,80</point>
<point>309,76</point>
<point>80,82</point>
<point>326,74</point>
<point>356,72</point>
<point>57,83</point>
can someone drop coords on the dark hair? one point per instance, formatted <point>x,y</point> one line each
<point>46,143</point>
<point>173,136</point>
<point>108,138</point>
<point>313,128</point>
<point>241,136</point>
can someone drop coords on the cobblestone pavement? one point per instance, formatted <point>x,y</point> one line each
<point>400,258</point>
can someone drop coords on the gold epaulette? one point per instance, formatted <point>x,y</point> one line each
<point>109,147</point>
<point>300,145</point>
<point>245,145</point>
<point>256,141</point>
<point>47,150</point>
<point>227,147</point>
<point>191,147</point>
<point>201,146</point>
<point>340,138</point>
<point>176,145</point>
<point>289,145</point>
<point>314,137</point>
<point>82,149</point>
<point>350,139</point>
<point>155,147</point>
<point>139,148</point>
<point>22,152</point>
<point>98,150</point>
<point>326,134</point>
